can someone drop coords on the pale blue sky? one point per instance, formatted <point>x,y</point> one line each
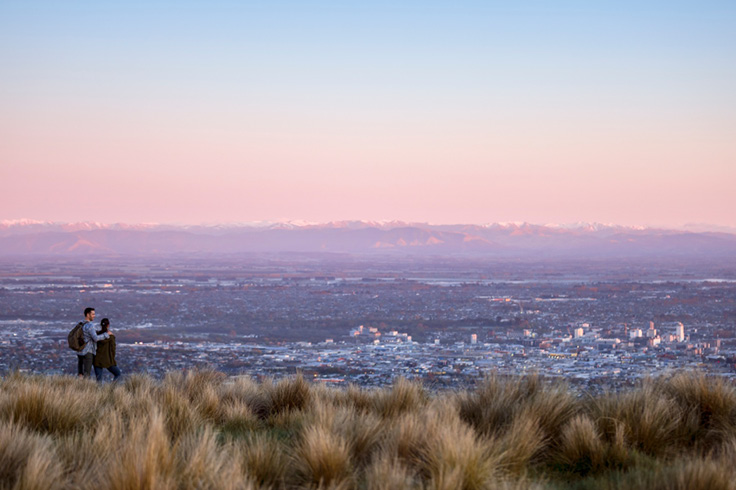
<point>385,99</point>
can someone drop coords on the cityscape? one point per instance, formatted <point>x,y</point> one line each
<point>342,319</point>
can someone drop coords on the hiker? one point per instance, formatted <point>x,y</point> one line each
<point>105,357</point>
<point>87,354</point>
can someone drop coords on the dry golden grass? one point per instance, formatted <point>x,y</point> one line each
<point>403,396</point>
<point>690,474</point>
<point>362,431</point>
<point>581,447</point>
<point>651,421</point>
<point>406,440</point>
<point>499,405</point>
<point>455,456</point>
<point>40,405</point>
<point>520,443</point>
<point>27,460</point>
<point>145,457</point>
<point>236,417</point>
<point>200,429</point>
<point>323,458</point>
<point>264,459</point>
<point>180,416</point>
<point>357,397</point>
<point>388,472</point>
<point>290,394</point>
<point>710,405</point>
<point>202,462</point>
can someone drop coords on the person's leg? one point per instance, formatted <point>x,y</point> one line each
<point>80,365</point>
<point>88,364</point>
<point>115,372</point>
<point>98,373</point>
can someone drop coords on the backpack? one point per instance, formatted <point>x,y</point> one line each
<point>76,337</point>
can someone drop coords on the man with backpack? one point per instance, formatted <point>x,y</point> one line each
<point>90,339</point>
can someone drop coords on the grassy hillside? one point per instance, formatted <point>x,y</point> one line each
<point>203,430</point>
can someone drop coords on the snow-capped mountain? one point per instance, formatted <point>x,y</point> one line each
<point>28,237</point>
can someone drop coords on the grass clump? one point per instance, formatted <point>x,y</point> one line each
<point>264,459</point>
<point>27,460</point>
<point>709,406</point>
<point>200,429</point>
<point>323,459</point>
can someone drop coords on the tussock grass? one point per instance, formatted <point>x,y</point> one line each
<point>403,396</point>
<point>199,429</point>
<point>199,388</point>
<point>145,457</point>
<point>520,443</point>
<point>362,431</point>
<point>236,418</point>
<point>455,456</point>
<point>42,406</point>
<point>27,460</point>
<point>710,405</point>
<point>181,416</point>
<point>492,408</point>
<point>357,397</point>
<point>651,421</point>
<point>323,458</point>
<point>581,447</point>
<point>201,462</point>
<point>264,459</point>
<point>140,385</point>
<point>407,440</point>
<point>388,472</point>
<point>76,452</point>
<point>679,474</point>
<point>289,394</point>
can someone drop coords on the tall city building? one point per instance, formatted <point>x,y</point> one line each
<point>680,332</point>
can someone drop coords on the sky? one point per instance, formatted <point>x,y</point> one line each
<point>425,111</point>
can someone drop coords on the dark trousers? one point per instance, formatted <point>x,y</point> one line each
<point>113,369</point>
<point>84,364</point>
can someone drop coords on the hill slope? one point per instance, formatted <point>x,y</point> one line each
<point>203,430</point>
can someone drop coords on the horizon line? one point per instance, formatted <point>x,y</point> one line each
<point>302,223</point>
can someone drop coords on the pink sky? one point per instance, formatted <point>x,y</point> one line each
<point>455,130</point>
<point>468,171</point>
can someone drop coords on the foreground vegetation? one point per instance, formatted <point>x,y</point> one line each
<point>201,429</point>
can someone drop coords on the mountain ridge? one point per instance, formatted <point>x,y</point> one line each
<point>23,225</point>
<point>27,237</point>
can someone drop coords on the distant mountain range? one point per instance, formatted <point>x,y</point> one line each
<point>26,237</point>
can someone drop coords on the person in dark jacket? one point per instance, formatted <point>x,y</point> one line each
<point>105,357</point>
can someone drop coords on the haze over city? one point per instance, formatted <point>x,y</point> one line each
<point>469,112</point>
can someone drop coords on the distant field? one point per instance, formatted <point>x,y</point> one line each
<point>201,429</point>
